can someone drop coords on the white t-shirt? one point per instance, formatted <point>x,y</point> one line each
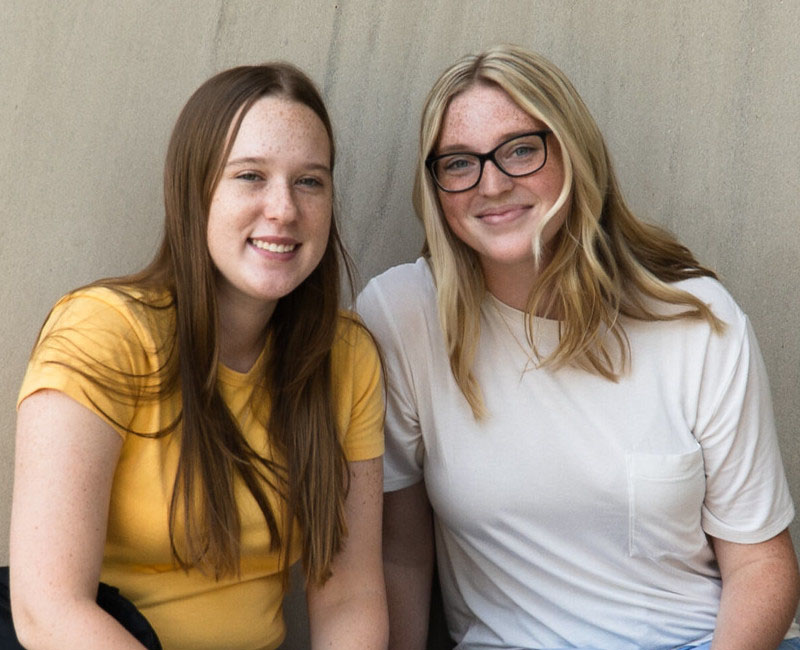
<point>575,514</point>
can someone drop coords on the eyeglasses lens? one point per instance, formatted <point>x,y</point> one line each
<point>518,157</point>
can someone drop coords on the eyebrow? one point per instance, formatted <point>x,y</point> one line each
<point>461,148</point>
<point>258,160</point>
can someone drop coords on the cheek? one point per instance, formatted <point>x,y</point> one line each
<point>214,245</point>
<point>454,209</point>
<point>325,232</point>
<point>320,234</point>
<point>554,173</point>
<point>214,232</point>
<point>322,220</point>
<point>223,234</point>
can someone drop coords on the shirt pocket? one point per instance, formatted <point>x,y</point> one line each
<point>665,500</point>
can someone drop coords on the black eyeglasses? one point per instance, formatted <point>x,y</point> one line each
<point>521,155</point>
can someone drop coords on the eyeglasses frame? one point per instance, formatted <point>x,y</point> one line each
<point>489,155</point>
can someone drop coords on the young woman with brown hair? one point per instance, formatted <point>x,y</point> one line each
<point>189,432</point>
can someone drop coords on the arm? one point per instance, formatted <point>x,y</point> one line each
<point>397,307</point>
<point>65,461</point>
<point>760,591</point>
<point>408,564</point>
<point>349,610</point>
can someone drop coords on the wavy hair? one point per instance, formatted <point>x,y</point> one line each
<point>311,475</point>
<point>605,262</point>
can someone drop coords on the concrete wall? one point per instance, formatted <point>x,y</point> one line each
<point>698,102</point>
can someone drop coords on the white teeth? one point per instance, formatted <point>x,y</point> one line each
<point>273,248</point>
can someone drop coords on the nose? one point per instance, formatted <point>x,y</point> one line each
<point>279,202</point>
<point>493,181</point>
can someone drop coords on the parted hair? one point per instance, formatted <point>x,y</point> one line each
<point>309,470</point>
<point>604,263</point>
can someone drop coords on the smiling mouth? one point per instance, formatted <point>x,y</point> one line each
<point>502,212</point>
<point>273,248</point>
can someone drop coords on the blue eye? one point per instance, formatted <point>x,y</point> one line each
<point>310,182</point>
<point>458,164</point>
<point>249,176</point>
<point>522,150</point>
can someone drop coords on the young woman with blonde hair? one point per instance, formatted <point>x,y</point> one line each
<point>579,402</point>
<point>189,432</point>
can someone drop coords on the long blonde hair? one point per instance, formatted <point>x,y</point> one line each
<point>605,263</point>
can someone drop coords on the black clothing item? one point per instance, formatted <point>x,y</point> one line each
<point>108,598</point>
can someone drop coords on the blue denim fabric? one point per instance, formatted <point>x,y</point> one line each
<point>788,644</point>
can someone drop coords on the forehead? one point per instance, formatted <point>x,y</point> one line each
<point>481,116</point>
<point>276,124</point>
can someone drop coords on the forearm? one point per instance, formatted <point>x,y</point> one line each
<point>757,606</point>
<point>360,621</point>
<point>408,591</point>
<point>408,566</point>
<point>349,610</point>
<point>61,626</point>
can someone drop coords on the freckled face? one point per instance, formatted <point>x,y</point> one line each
<point>498,218</point>
<point>270,214</point>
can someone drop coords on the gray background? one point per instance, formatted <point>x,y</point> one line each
<point>698,101</point>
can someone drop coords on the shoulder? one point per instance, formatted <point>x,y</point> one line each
<point>694,346</point>
<point>707,290</point>
<point>104,347</point>
<point>413,276</point>
<point>110,304</point>
<point>402,294</point>
<point>354,349</point>
<point>692,343</point>
<point>109,318</point>
<point>716,296</point>
<point>351,332</point>
<point>356,372</point>
<point>722,305</point>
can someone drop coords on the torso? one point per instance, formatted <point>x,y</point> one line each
<point>190,610</point>
<point>573,513</point>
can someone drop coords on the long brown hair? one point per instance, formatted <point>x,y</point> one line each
<point>308,469</point>
<point>606,262</point>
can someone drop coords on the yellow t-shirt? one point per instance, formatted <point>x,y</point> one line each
<point>129,340</point>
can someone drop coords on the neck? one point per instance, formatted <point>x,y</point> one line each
<point>513,284</point>
<point>513,296</point>
<point>242,328</point>
<point>239,353</point>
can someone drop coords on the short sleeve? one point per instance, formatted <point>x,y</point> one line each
<point>747,497</point>
<point>90,350</point>
<point>357,378</point>
<point>403,460</point>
